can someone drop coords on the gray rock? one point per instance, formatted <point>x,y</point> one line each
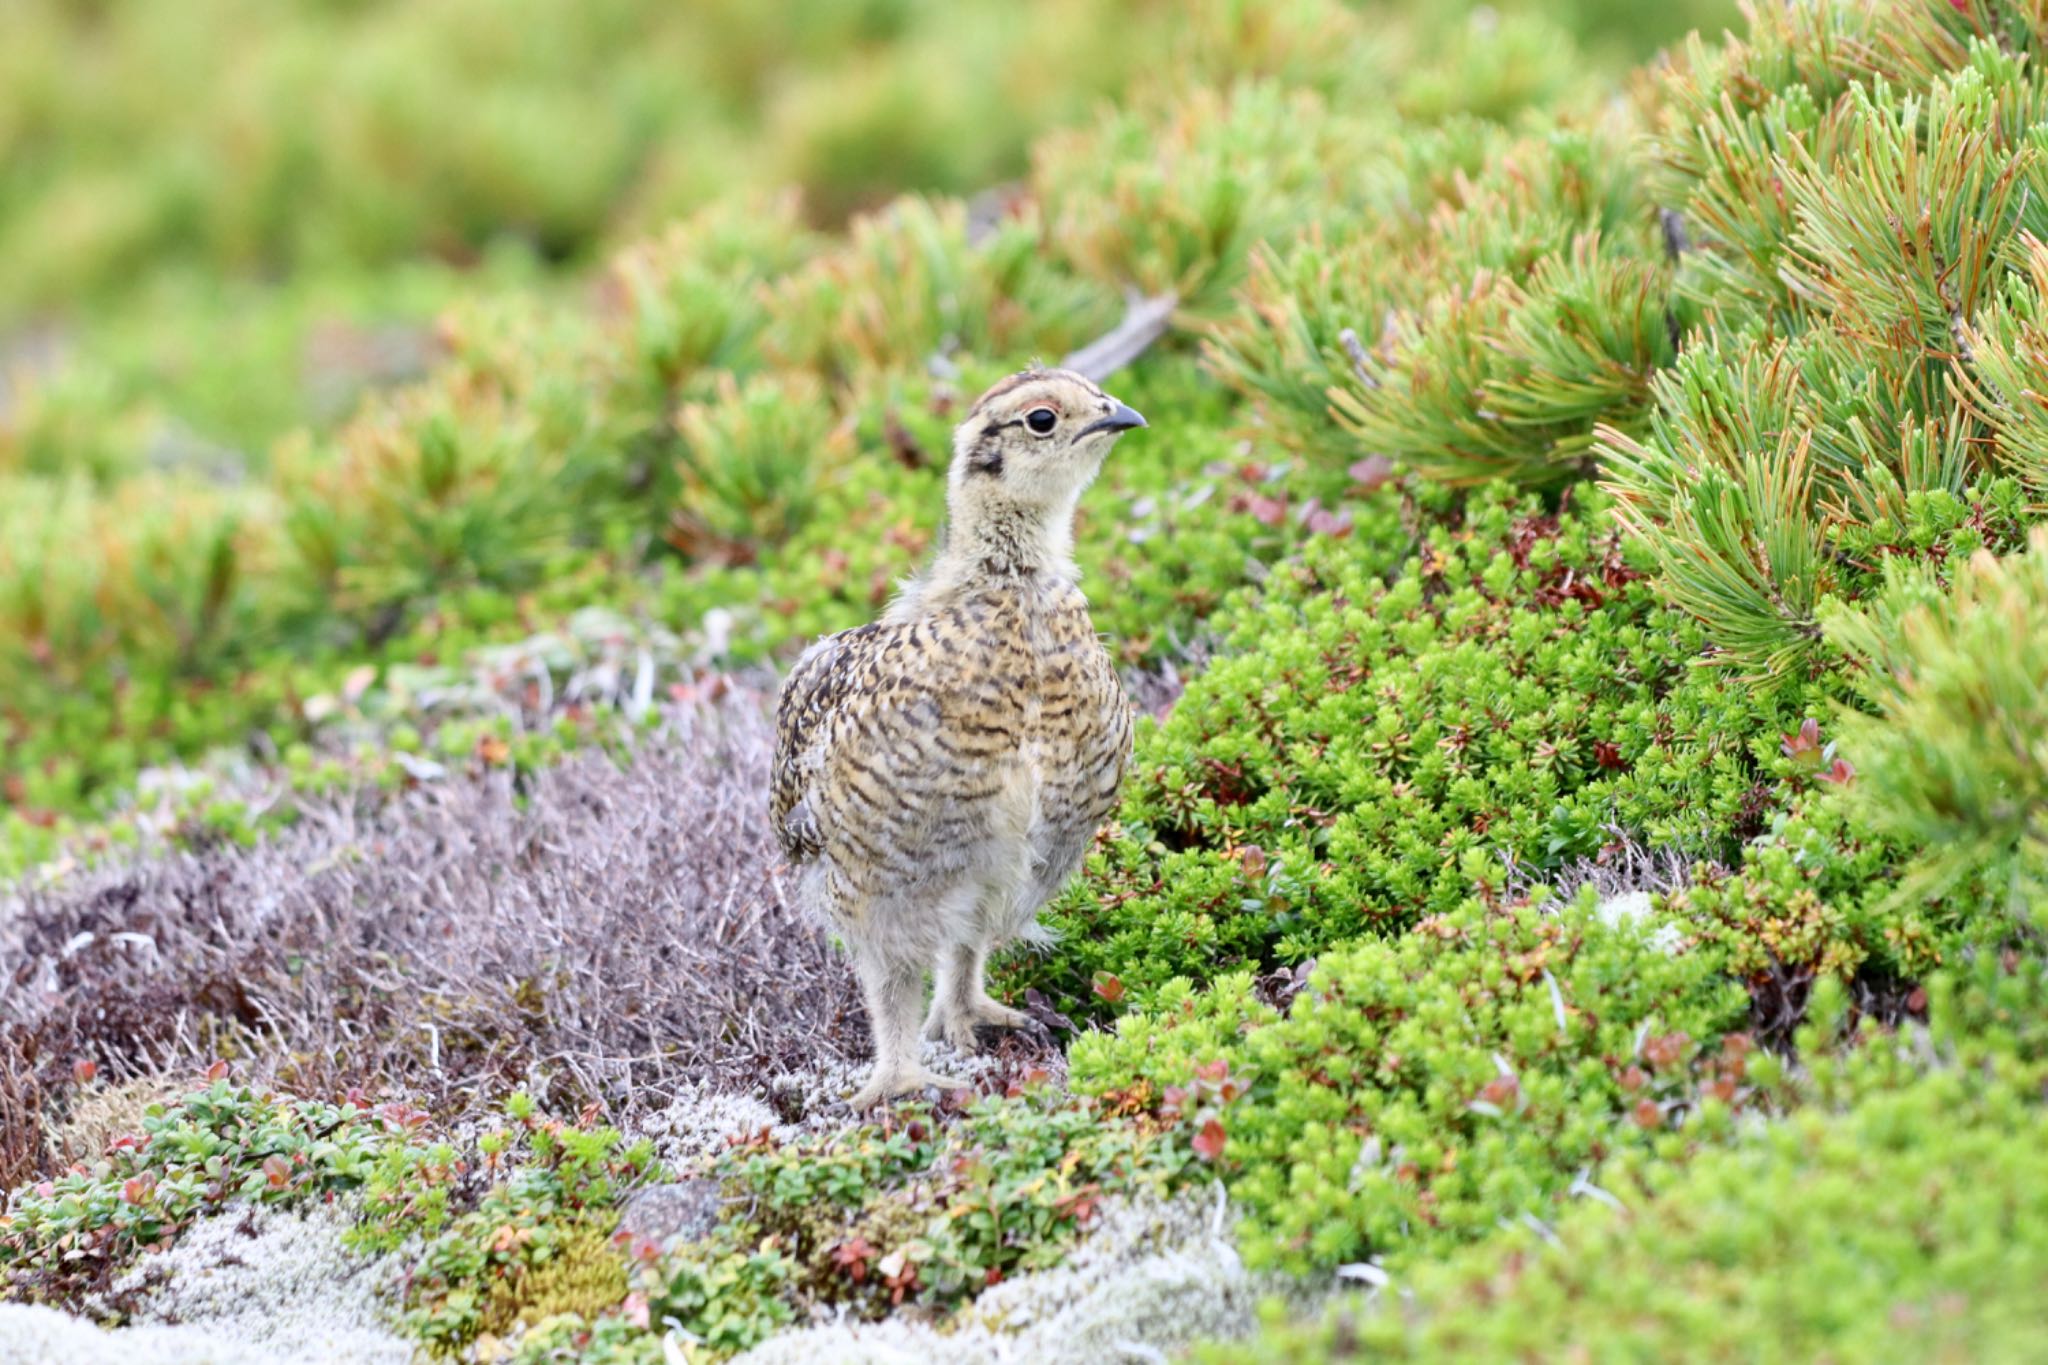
<point>666,1214</point>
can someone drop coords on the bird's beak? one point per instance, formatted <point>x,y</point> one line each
<point>1121,418</point>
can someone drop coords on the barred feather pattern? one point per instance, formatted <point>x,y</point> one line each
<point>989,733</point>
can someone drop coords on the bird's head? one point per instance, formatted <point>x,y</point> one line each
<point>1036,440</point>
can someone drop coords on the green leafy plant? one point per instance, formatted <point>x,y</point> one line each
<point>1422,1088</point>
<point>66,1236</point>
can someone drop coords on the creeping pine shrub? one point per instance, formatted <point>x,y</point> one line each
<point>1917,828</point>
<point>1852,238</point>
<point>753,460</point>
<point>448,486</point>
<point>1373,751</point>
<point>1954,762</point>
<point>1506,299</point>
<point>1902,1214</point>
<point>1173,202</point>
<point>914,281</point>
<point>1421,1089</point>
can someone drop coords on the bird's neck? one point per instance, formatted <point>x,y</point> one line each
<point>990,541</point>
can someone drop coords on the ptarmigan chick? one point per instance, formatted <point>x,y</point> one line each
<point>940,773</point>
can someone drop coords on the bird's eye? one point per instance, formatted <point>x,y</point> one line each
<point>1041,420</point>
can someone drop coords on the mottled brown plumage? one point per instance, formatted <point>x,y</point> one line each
<point>940,773</point>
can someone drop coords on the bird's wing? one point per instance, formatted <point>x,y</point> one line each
<point>822,682</point>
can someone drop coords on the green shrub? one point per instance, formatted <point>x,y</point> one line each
<point>1810,900</point>
<point>917,1212</point>
<point>535,1244</point>
<point>1510,700</point>
<point>66,1236</point>
<point>1423,1088</point>
<point>1899,1218</point>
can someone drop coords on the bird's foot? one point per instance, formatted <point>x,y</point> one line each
<point>902,1080</point>
<point>988,1014</point>
<point>956,1025</point>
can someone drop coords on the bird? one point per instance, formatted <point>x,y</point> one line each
<point>940,772</point>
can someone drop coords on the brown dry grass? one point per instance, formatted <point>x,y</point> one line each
<point>612,933</point>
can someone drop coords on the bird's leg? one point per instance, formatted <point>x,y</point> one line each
<point>961,1003</point>
<point>893,990</point>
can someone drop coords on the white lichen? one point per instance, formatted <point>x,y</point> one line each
<point>1150,1279</point>
<point>1635,908</point>
<point>249,1286</point>
<point>704,1119</point>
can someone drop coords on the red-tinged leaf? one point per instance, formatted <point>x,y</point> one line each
<point>1608,754</point>
<point>1209,1142</point>
<point>1917,1001</point>
<point>1666,1050</point>
<point>277,1171</point>
<point>1840,772</point>
<point>1501,1091</point>
<point>1252,859</point>
<point>852,1256</point>
<point>1214,1071</point>
<point>1807,741</point>
<point>45,1190</point>
<point>1081,1204</point>
<point>635,1310</point>
<point>1372,472</point>
<point>1268,511</point>
<point>1647,1115</point>
<point>1634,1079</point>
<point>1335,525</point>
<point>137,1189</point>
<point>218,1071</point>
<point>1109,986</point>
<point>84,1069</point>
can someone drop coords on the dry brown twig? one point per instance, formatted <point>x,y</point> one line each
<point>1145,321</point>
<point>622,935</point>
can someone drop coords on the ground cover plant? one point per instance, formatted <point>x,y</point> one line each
<point>1580,876</point>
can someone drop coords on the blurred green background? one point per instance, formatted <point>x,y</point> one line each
<point>230,211</point>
